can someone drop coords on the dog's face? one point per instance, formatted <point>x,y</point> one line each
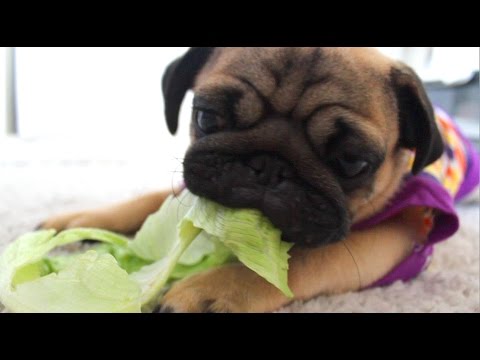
<point>315,138</point>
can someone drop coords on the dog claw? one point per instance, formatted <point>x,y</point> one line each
<point>163,310</point>
<point>39,226</point>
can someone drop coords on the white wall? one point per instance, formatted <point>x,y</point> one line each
<point>449,65</point>
<point>98,103</point>
<point>3,93</point>
<point>90,91</point>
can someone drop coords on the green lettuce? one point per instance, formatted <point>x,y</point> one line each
<point>250,236</point>
<point>159,233</point>
<point>185,236</point>
<point>90,282</point>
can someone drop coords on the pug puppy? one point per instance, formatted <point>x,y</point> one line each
<point>318,139</point>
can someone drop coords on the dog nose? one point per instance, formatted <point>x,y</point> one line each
<point>270,169</point>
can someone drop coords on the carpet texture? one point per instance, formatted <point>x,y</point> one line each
<point>30,192</point>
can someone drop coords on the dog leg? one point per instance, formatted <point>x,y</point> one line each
<point>358,261</point>
<point>124,218</point>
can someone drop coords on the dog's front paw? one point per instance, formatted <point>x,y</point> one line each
<point>228,289</point>
<point>77,220</point>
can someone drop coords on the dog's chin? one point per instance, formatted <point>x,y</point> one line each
<point>304,214</point>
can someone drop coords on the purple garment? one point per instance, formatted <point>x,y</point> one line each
<point>424,190</point>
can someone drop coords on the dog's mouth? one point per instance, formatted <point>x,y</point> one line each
<point>270,184</point>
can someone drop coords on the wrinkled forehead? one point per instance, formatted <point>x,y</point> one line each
<point>251,83</point>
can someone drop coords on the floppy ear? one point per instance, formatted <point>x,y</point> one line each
<point>418,128</point>
<point>178,79</point>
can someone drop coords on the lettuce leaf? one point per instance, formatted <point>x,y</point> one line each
<point>249,235</point>
<point>186,236</point>
<point>89,282</point>
<point>246,233</point>
<point>125,257</point>
<point>160,233</point>
<point>220,256</point>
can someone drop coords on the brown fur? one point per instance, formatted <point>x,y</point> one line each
<point>124,218</point>
<point>294,83</point>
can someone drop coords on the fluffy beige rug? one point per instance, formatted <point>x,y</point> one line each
<point>33,190</point>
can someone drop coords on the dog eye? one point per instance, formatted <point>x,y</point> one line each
<point>350,167</point>
<point>208,121</point>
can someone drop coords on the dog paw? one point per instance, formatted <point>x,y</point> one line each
<point>228,289</point>
<point>75,220</point>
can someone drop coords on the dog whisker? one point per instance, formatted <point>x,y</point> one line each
<point>344,243</point>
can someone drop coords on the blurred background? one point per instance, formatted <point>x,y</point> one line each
<point>88,122</point>
<point>101,106</point>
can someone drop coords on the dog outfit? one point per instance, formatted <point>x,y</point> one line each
<point>436,188</point>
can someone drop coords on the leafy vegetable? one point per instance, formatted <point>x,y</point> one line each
<point>249,235</point>
<point>187,235</point>
<point>160,233</point>
<point>90,282</point>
